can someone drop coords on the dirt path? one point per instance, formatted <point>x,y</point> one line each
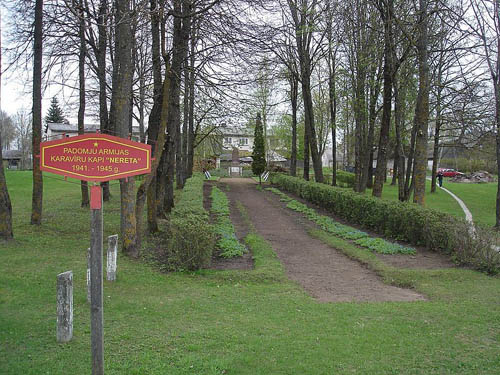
<point>323,272</point>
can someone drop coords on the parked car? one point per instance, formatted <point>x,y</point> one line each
<point>450,172</point>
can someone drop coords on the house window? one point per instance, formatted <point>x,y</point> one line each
<point>243,141</point>
<point>228,140</point>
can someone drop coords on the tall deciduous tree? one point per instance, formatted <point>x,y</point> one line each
<point>36,210</point>
<point>422,107</point>
<point>304,13</point>
<point>120,117</point>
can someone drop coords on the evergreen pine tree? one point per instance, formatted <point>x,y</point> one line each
<point>258,155</point>
<point>55,113</point>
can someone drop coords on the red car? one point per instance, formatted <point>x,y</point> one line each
<point>449,172</point>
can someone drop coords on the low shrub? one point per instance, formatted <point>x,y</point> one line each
<point>477,247</point>
<point>401,221</point>
<point>190,244</point>
<point>221,172</point>
<point>345,178</point>
<point>190,239</point>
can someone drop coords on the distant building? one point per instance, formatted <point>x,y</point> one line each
<point>237,138</point>
<point>56,131</point>
<point>12,159</point>
<point>243,140</point>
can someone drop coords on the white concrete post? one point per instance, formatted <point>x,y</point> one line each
<point>65,306</point>
<point>112,255</point>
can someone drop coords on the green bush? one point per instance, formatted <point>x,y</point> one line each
<point>477,248</point>
<point>402,221</point>
<point>345,178</point>
<point>221,172</point>
<point>190,236</point>
<point>190,244</point>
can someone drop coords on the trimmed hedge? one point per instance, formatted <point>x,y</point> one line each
<point>345,178</point>
<point>401,221</point>
<point>191,238</point>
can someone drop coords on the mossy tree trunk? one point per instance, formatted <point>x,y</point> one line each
<point>422,107</point>
<point>155,114</point>
<point>37,197</point>
<point>386,13</point>
<point>180,35</point>
<point>5,205</point>
<point>120,118</point>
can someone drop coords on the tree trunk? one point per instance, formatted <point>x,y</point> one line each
<point>81,108</point>
<point>185,122</point>
<point>437,128</point>
<point>191,133</point>
<point>422,107</point>
<point>5,205</point>
<point>497,119</point>
<point>180,35</point>
<point>294,94</point>
<point>120,119</point>
<point>306,156</point>
<point>332,96</point>
<point>310,127</point>
<point>155,114</point>
<point>101,77</point>
<point>36,210</point>
<point>395,167</point>
<point>360,129</point>
<point>144,188</point>
<point>380,172</point>
<point>410,167</point>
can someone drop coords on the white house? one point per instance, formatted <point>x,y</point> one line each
<point>237,139</point>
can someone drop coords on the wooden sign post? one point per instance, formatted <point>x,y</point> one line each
<point>95,158</point>
<point>96,302</point>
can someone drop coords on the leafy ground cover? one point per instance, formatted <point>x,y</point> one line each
<point>361,238</point>
<point>227,243</point>
<point>227,322</point>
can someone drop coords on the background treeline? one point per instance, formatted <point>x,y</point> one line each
<point>374,79</point>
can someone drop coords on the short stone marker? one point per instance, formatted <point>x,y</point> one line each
<point>65,306</point>
<point>112,255</point>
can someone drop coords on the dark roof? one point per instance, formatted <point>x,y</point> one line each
<point>12,154</point>
<point>68,128</point>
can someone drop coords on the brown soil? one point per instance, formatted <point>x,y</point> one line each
<point>244,262</point>
<point>324,272</point>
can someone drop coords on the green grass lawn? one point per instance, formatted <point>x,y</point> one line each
<point>480,199</point>
<point>225,322</point>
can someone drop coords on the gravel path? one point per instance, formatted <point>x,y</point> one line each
<point>325,273</point>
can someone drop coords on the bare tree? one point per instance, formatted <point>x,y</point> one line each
<point>37,197</point>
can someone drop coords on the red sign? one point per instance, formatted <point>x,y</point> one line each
<point>95,157</point>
